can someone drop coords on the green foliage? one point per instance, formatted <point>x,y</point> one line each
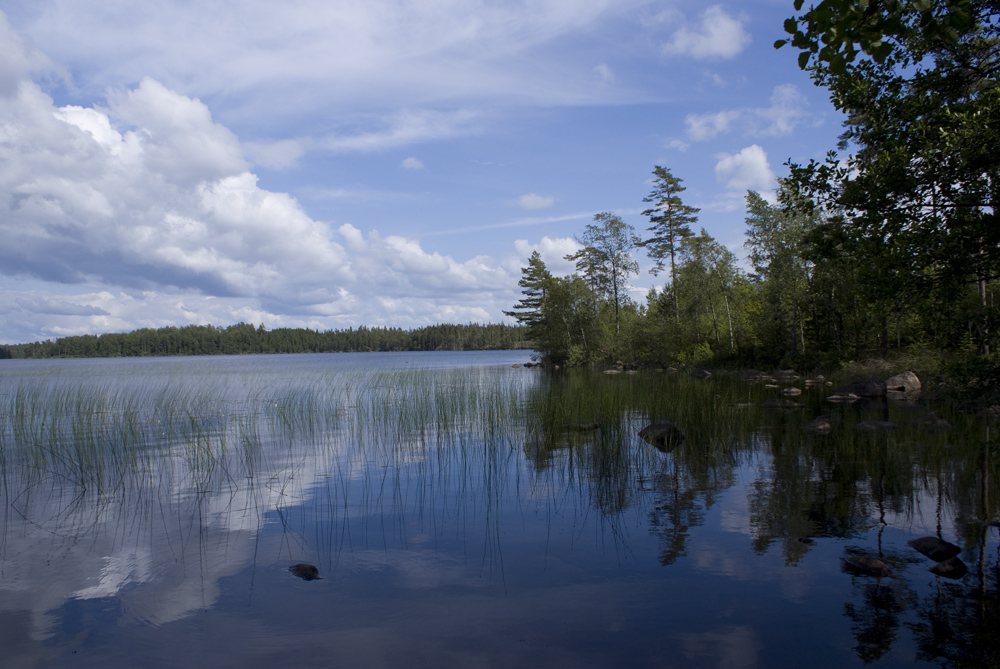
<point>244,338</point>
<point>605,260</point>
<point>916,200</point>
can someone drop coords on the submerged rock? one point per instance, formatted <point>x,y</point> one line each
<point>773,403</point>
<point>662,434</point>
<point>867,566</point>
<point>821,424</point>
<point>933,421</point>
<point>934,548</point>
<point>951,568</point>
<point>305,571</point>
<point>876,425</point>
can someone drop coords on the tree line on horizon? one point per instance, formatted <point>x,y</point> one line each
<point>244,338</point>
<point>892,247</point>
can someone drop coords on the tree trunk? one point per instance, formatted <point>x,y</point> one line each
<point>729,316</point>
<point>984,322</point>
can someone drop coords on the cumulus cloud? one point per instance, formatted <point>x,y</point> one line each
<point>535,201</point>
<point>718,36</point>
<point>145,212</point>
<point>412,164</point>
<point>553,251</point>
<point>746,170</point>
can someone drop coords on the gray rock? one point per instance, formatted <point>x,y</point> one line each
<point>700,374</point>
<point>876,426</point>
<point>612,371</point>
<point>867,566</point>
<point>950,568</point>
<point>843,399</point>
<point>906,382</point>
<point>791,392</point>
<point>662,434</point>
<point>786,375</point>
<point>934,548</point>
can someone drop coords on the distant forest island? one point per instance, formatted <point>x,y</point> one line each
<point>244,338</point>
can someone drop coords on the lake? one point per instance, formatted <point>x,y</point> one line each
<point>464,512</point>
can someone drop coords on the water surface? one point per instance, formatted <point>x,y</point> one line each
<point>462,512</point>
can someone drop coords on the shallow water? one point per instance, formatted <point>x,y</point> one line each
<point>464,512</point>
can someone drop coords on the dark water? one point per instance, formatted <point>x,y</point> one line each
<point>462,512</point>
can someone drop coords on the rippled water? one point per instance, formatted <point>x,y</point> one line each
<point>461,511</point>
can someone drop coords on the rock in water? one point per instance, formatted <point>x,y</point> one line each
<point>662,434</point>
<point>953,567</point>
<point>305,571</point>
<point>934,548</point>
<point>773,403</point>
<point>821,425</point>
<point>867,565</point>
<point>700,374</point>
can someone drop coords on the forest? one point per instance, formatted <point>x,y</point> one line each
<point>888,246</point>
<point>244,338</point>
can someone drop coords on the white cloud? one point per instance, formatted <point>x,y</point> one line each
<point>313,57</point>
<point>278,155</point>
<point>719,35</point>
<point>553,251</point>
<point>746,170</point>
<point>605,75</point>
<point>405,127</point>
<point>534,201</point>
<point>412,164</point>
<point>786,111</point>
<point>706,126</point>
<point>145,213</point>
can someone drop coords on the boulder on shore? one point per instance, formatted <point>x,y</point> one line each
<point>907,382</point>
<point>662,434</point>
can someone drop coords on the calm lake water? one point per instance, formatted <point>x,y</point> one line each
<point>462,512</point>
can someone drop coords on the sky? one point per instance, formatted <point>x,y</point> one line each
<point>331,164</point>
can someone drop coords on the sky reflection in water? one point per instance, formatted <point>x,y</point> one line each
<point>464,512</point>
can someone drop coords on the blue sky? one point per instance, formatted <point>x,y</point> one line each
<point>382,162</point>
